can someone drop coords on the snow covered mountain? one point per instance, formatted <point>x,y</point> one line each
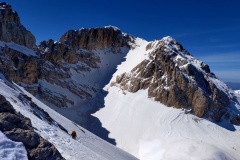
<point>159,74</point>
<point>152,99</point>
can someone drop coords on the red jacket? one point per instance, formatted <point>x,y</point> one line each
<point>74,134</point>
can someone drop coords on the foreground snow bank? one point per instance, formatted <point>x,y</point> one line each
<point>10,150</point>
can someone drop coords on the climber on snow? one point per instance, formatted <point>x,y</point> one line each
<point>74,134</point>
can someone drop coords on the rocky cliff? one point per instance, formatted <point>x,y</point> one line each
<point>79,54</point>
<point>11,29</point>
<point>94,38</point>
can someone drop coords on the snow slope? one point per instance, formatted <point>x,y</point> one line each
<point>151,131</point>
<point>135,55</point>
<point>87,146</point>
<point>19,48</point>
<point>10,150</point>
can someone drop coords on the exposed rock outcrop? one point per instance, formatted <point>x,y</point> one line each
<point>94,38</point>
<point>19,67</point>
<point>173,77</point>
<point>57,53</point>
<point>11,29</point>
<point>18,128</point>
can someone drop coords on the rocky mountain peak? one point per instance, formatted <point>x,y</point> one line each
<point>112,27</point>
<point>95,38</point>
<point>11,29</point>
<point>4,5</point>
<point>169,40</point>
<point>174,77</point>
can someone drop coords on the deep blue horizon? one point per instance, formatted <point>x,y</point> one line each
<point>208,29</point>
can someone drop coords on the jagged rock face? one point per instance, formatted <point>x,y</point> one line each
<point>57,52</point>
<point>173,77</point>
<point>11,30</point>
<point>76,51</point>
<point>19,67</point>
<point>18,128</point>
<point>28,71</point>
<point>94,38</point>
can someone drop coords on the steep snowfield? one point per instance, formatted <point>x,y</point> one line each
<point>11,150</point>
<point>135,55</point>
<point>151,131</point>
<point>87,146</point>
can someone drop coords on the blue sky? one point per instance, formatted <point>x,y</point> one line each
<point>208,29</point>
